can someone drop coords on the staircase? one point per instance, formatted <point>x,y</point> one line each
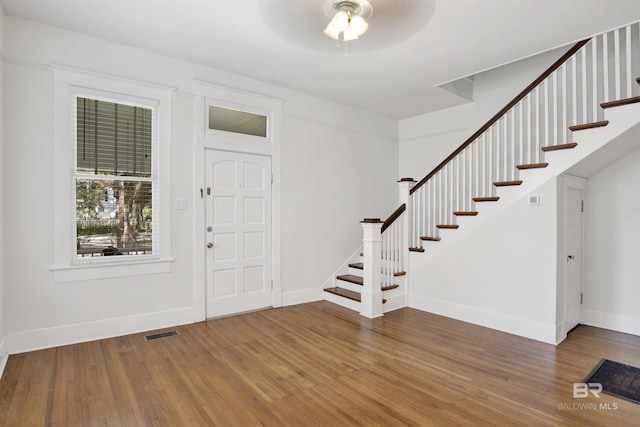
<point>348,289</point>
<point>586,99</point>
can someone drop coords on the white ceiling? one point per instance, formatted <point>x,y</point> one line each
<point>411,45</point>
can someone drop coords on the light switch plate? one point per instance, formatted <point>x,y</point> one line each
<point>180,204</point>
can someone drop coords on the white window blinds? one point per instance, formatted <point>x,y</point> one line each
<point>113,139</point>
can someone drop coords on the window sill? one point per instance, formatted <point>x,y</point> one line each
<point>76,273</point>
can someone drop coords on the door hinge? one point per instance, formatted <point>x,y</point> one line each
<point>582,206</point>
<point>272,178</point>
<point>581,297</point>
<point>208,191</point>
<point>272,284</point>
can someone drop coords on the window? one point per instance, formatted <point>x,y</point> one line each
<point>112,177</point>
<point>235,121</point>
<point>115,182</point>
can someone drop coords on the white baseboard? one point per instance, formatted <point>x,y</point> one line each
<point>611,321</point>
<point>502,322</point>
<point>396,299</point>
<point>4,356</point>
<point>561,334</point>
<point>39,339</point>
<point>302,296</point>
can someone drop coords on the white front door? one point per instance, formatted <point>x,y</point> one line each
<point>574,205</point>
<point>238,234</point>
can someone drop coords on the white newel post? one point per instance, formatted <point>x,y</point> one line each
<point>406,184</point>
<point>371,297</point>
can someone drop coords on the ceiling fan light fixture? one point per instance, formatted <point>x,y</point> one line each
<point>341,21</point>
<point>338,24</point>
<point>350,19</point>
<point>358,24</point>
<point>349,35</point>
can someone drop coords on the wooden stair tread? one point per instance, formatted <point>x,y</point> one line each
<point>416,249</point>
<point>591,125</point>
<point>400,273</point>
<point>358,265</point>
<point>507,183</point>
<point>351,278</point>
<point>532,166</point>
<point>346,293</point>
<point>470,213</point>
<point>355,296</point>
<point>448,226</point>
<point>430,238</point>
<point>559,146</point>
<point>486,199</point>
<point>360,281</point>
<point>620,102</point>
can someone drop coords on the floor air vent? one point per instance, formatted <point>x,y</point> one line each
<point>160,335</point>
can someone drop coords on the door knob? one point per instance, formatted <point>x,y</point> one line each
<point>209,245</point>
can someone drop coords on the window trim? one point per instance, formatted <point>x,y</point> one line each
<point>238,141</point>
<point>67,85</point>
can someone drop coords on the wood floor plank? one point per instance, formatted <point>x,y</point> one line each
<point>318,364</point>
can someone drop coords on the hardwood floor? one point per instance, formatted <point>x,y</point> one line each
<point>318,364</point>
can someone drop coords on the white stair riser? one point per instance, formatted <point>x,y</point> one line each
<point>342,301</point>
<point>348,285</point>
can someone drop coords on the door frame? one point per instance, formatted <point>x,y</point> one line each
<point>211,94</point>
<point>569,182</point>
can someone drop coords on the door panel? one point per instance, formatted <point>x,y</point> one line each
<point>238,220</point>
<point>573,258</point>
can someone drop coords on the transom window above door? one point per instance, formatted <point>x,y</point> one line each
<point>236,121</point>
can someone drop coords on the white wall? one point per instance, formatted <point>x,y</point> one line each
<point>501,275</point>
<point>334,160</point>
<point>334,176</point>
<point>3,328</point>
<point>428,139</point>
<point>612,247</point>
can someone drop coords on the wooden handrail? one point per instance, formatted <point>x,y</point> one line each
<point>395,215</point>
<point>502,112</point>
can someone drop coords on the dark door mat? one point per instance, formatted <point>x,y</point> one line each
<point>617,379</point>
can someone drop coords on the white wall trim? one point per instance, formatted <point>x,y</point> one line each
<point>23,63</point>
<point>4,356</point>
<point>570,181</point>
<point>237,96</point>
<point>510,324</point>
<point>560,332</point>
<point>124,268</point>
<point>68,83</point>
<point>337,126</point>
<point>37,339</point>
<point>204,93</point>
<point>612,321</point>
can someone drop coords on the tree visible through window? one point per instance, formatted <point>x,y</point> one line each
<point>114,178</point>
